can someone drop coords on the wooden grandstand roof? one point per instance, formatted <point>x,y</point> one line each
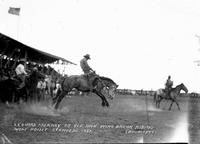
<point>8,46</point>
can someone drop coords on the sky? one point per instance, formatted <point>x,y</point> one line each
<point>137,43</point>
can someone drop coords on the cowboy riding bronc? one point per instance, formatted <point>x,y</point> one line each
<point>21,73</point>
<point>88,71</point>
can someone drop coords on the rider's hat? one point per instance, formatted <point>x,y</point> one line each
<point>87,56</point>
<point>22,60</point>
<point>35,69</point>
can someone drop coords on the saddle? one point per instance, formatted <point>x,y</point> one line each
<point>90,77</point>
<point>167,91</point>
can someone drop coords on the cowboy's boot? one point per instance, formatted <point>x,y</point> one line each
<point>89,83</point>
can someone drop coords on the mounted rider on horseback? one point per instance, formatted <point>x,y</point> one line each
<point>168,86</point>
<point>89,73</point>
<point>21,73</point>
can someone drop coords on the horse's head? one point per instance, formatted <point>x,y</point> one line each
<point>111,86</point>
<point>183,87</point>
<point>33,78</point>
<point>36,75</point>
<point>112,90</point>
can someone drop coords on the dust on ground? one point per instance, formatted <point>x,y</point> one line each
<point>81,119</point>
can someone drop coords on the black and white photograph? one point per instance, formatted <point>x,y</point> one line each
<point>99,71</point>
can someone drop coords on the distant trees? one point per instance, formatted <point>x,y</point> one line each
<point>135,92</point>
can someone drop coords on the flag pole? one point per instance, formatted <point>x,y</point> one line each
<point>147,113</point>
<point>18,27</point>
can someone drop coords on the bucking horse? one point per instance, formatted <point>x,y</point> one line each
<point>160,94</point>
<point>80,82</point>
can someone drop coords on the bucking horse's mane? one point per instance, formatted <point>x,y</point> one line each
<point>108,79</point>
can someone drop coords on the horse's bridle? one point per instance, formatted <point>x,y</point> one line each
<point>104,85</point>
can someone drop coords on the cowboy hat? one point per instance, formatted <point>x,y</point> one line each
<point>87,56</point>
<point>35,69</point>
<point>23,59</point>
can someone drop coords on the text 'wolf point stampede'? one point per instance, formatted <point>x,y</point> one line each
<point>85,128</point>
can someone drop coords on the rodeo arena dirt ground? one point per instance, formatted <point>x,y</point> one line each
<point>82,119</point>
